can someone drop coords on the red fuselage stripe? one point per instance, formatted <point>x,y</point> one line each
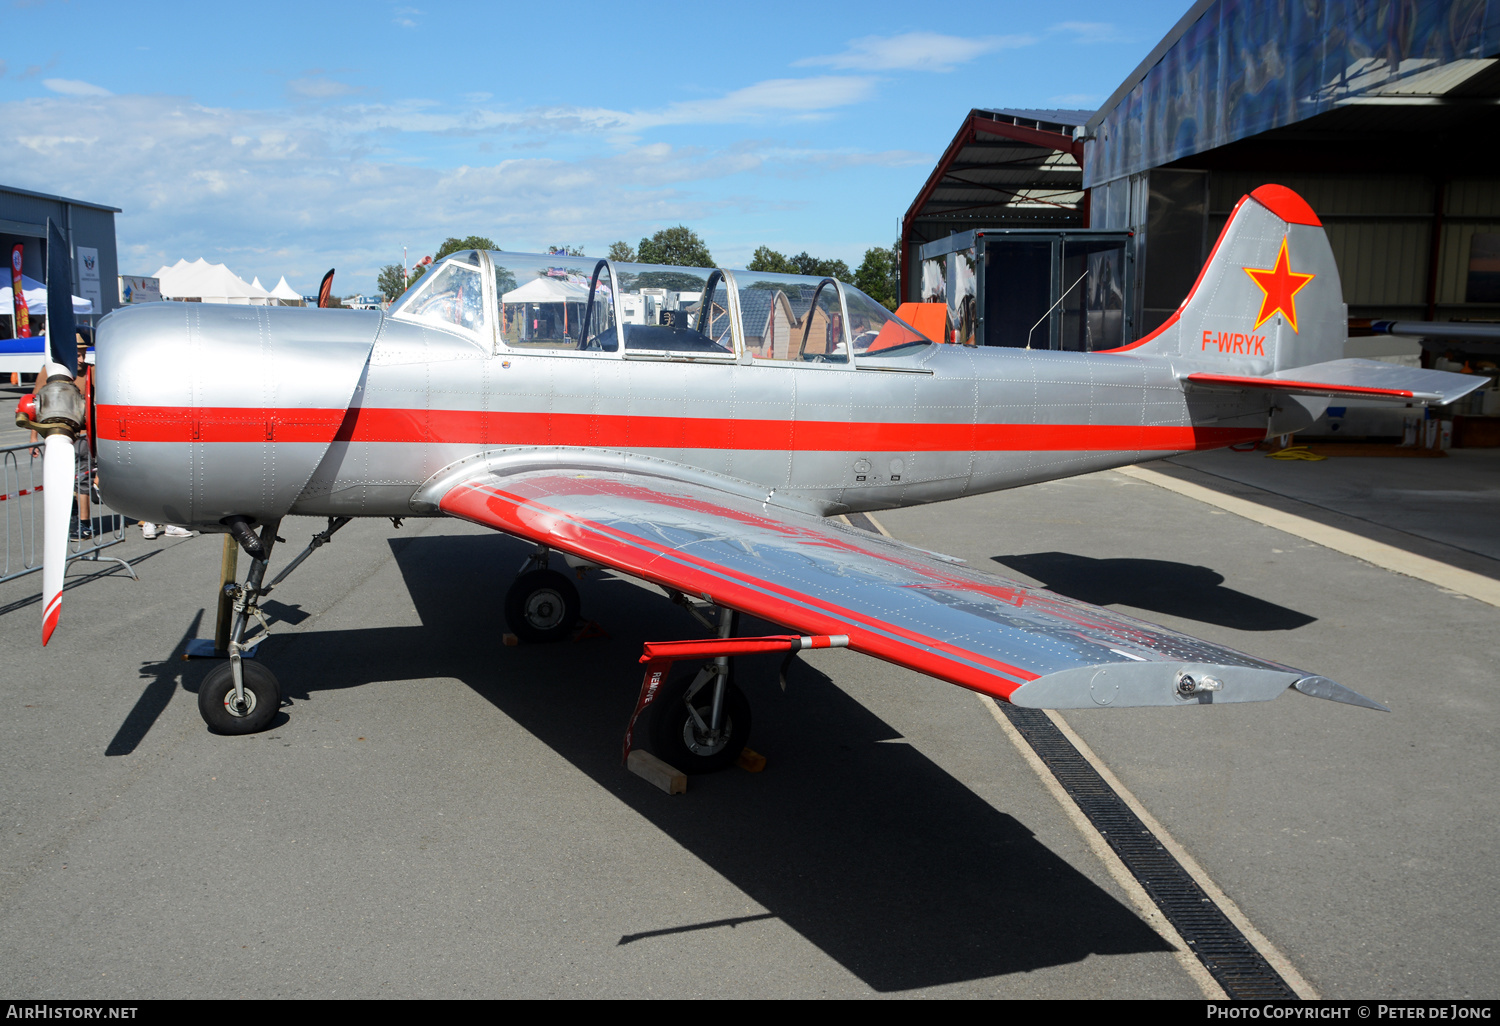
<point>497,429</point>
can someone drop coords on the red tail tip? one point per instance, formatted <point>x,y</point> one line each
<point>1286,204</point>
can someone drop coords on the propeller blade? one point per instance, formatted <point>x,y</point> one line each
<point>62,346</point>
<point>58,459</point>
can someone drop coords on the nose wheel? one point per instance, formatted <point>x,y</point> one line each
<point>222,708</point>
<point>541,606</point>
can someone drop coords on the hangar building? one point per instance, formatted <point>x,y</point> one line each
<point>1385,115</point>
<point>90,229</point>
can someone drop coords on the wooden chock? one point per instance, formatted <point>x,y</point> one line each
<point>652,770</point>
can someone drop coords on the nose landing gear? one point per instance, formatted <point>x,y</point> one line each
<point>242,696</point>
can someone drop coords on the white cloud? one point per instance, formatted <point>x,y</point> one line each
<point>74,87</point>
<point>1091,31</point>
<point>914,51</point>
<point>406,17</point>
<point>774,97</point>
<point>291,192</point>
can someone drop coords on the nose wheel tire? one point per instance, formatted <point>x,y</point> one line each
<point>218,703</point>
<point>541,606</point>
<point>676,737</point>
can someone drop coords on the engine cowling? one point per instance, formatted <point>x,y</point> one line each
<point>205,411</point>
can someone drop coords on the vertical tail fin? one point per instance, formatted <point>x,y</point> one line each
<point>1268,298</point>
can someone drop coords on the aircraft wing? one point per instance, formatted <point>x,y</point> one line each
<point>718,540</point>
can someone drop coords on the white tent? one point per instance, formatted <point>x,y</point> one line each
<point>35,294</point>
<point>548,290</point>
<point>284,291</point>
<point>209,283</point>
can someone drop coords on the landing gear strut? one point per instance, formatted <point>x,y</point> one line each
<point>700,723</point>
<point>242,696</point>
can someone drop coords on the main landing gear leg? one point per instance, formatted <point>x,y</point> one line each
<point>695,728</point>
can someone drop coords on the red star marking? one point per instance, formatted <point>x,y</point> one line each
<point>1281,285</point>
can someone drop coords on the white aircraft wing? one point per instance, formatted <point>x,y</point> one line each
<point>717,540</point>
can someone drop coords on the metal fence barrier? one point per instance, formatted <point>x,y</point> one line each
<point>21,514</point>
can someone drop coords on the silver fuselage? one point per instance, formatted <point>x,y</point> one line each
<point>205,412</point>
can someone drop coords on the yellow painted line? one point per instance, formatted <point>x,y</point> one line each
<point>878,525</point>
<point>1387,557</point>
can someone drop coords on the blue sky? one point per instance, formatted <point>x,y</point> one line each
<point>288,138</point>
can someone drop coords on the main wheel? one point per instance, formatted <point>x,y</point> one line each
<point>542,605</point>
<point>676,737</point>
<point>219,705</point>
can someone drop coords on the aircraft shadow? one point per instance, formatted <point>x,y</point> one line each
<point>856,840</point>
<point>1158,585</point>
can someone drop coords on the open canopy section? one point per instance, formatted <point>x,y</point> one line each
<point>564,302</point>
<point>201,281</point>
<point>35,294</point>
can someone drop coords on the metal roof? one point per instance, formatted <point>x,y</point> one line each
<point>1004,168</point>
<point>58,199</point>
<point>1187,98</point>
<point>1057,118</point>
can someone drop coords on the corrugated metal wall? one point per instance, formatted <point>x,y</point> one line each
<point>1380,228</point>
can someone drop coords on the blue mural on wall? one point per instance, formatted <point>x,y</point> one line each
<point>1246,66</point>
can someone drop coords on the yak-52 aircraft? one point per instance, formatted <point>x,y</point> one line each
<point>698,429</point>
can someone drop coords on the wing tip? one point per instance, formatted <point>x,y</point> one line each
<point>1322,687</point>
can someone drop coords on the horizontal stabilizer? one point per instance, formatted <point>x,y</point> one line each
<point>1352,379</point>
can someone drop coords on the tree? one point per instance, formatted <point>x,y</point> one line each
<point>804,264</point>
<point>680,246</point>
<point>392,281</point>
<point>622,252</point>
<point>877,274</point>
<point>767,259</point>
<point>452,245</point>
<point>566,251</point>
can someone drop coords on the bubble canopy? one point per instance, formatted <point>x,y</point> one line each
<point>588,305</point>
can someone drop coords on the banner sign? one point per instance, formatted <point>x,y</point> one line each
<point>137,289</point>
<point>23,321</point>
<point>88,277</point>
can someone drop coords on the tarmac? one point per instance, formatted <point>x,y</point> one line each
<point>436,814</point>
